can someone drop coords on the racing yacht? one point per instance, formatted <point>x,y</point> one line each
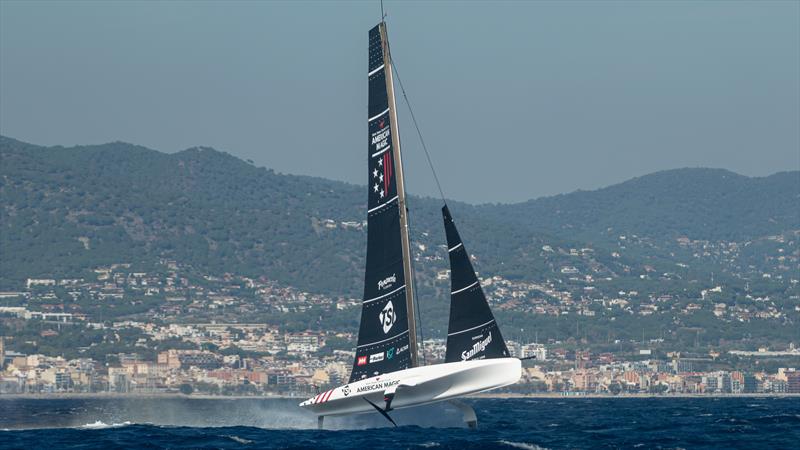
<point>386,373</point>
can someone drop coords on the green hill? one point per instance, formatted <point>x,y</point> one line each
<point>708,204</point>
<point>67,210</point>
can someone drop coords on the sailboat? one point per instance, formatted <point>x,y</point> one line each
<point>386,373</point>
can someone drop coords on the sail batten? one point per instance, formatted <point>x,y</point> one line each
<point>472,331</point>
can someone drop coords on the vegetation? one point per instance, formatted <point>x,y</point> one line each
<point>66,211</point>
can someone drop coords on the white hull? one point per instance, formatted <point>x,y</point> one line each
<point>417,386</point>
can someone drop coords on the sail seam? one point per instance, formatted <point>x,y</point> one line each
<point>463,289</point>
<point>384,295</point>
<point>376,70</point>
<point>387,339</point>
<point>378,115</point>
<point>470,329</point>
<point>383,204</point>
<point>456,247</point>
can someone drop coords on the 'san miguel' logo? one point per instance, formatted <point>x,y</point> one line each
<point>477,347</point>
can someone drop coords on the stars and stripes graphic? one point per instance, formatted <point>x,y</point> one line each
<point>382,173</point>
<point>323,397</point>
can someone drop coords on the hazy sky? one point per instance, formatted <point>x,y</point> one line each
<point>515,100</point>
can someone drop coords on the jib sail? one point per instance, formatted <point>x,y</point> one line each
<point>386,341</point>
<point>473,333</point>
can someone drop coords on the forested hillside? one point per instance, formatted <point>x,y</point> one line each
<point>708,204</point>
<point>67,210</point>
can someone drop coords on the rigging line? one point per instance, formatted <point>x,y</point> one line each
<point>416,301</point>
<point>414,120</point>
<point>418,318</point>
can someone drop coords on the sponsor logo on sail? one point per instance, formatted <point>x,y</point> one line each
<point>387,317</point>
<point>477,347</point>
<point>376,357</point>
<point>387,282</point>
<point>380,138</point>
<point>390,353</point>
<point>402,349</point>
<point>346,390</point>
<point>362,360</point>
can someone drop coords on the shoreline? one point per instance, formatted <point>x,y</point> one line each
<point>538,395</point>
<point>643,395</point>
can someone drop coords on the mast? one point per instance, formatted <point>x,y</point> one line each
<point>401,198</point>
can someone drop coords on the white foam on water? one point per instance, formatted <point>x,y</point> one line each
<point>522,445</point>
<point>430,444</point>
<point>239,440</point>
<point>99,425</point>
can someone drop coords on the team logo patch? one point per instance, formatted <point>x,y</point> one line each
<point>362,360</point>
<point>390,353</point>
<point>387,317</point>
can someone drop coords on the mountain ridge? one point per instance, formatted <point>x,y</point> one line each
<point>6,140</point>
<point>83,206</point>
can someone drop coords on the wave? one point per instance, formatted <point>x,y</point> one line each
<point>239,439</point>
<point>99,425</point>
<point>522,445</point>
<point>776,418</point>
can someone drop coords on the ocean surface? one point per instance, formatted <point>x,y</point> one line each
<point>92,423</point>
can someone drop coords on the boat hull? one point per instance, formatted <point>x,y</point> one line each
<point>417,386</point>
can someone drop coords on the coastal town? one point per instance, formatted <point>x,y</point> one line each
<point>172,331</point>
<point>302,371</point>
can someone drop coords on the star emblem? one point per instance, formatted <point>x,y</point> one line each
<point>376,188</point>
<point>381,178</point>
<point>382,193</point>
<point>380,162</point>
<point>375,174</point>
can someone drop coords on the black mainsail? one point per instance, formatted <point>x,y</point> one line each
<point>473,333</point>
<point>386,337</point>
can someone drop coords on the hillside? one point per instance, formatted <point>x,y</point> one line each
<point>707,204</point>
<point>66,210</point>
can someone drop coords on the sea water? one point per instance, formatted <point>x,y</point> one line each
<point>527,423</point>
